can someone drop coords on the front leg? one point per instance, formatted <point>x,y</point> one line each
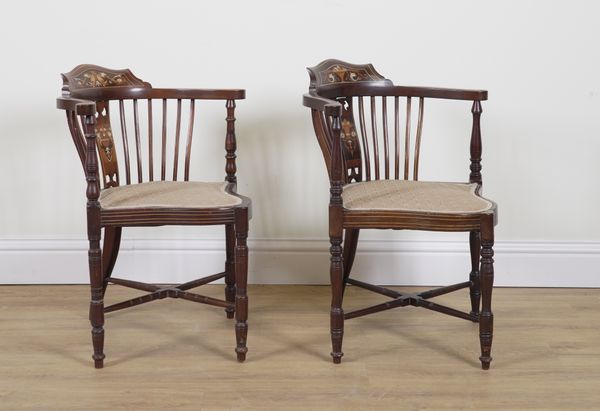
<point>486,320</point>
<point>337,290</point>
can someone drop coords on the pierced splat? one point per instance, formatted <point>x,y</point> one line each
<point>351,145</point>
<point>106,145</point>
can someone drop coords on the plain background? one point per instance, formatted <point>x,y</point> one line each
<point>539,60</point>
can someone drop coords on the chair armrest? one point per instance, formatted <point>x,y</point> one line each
<point>357,89</point>
<point>80,107</point>
<point>330,107</point>
<point>443,93</point>
<point>203,94</point>
<point>111,93</point>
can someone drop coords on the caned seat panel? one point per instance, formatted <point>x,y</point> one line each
<point>168,194</point>
<point>416,196</point>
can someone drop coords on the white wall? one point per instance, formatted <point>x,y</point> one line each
<point>539,60</point>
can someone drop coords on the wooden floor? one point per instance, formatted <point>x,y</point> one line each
<point>173,354</point>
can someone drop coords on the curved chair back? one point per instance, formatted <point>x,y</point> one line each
<point>149,152</point>
<point>385,144</point>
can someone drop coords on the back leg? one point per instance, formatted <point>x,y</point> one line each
<point>474,277</point>
<point>241,281</point>
<point>230,268</point>
<point>110,250</point>
<point>349,251</point>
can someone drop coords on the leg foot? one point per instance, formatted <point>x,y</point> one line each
<point>337,335</point>
<point>485,362</point>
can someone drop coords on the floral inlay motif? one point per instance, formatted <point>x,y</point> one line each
<point>94,78</point>
<point>105,141</point>
<point>349,136</point>
<point>342,74</point>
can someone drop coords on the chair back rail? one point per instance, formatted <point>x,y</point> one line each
<point>119,91</point>
<point>383,144</point>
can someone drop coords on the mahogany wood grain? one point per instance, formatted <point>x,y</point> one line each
<point>397,138</point>
<point>163,157</point>
<point>112,93</point>
<point>407,137</point>
<point>188,145</point>
<point>150,143</point>
<point>87,93</point>
<point>177,135</point>
<point>125,141</point>
<point>110,247</point>
<point>475,176</point>
<point>334,82</point>
<point>374,135</point>
<point>76,134</point>
<point>230,268</point>
<point>94,253</point>
<point>418,141</point>
<point>364,139</point>
<point>475,288</point>
<point>386,149</point>
<point>138,144</point>
<point>230,143</point>
<point>241,282</point>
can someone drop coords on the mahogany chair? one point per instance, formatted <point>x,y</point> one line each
<point>150,195</point>
<point>370,187</point>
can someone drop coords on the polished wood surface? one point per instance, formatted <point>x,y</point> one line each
<point>172,355</point>
<point>90,127</point>
<point>334,88</point>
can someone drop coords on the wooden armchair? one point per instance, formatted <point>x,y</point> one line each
<point>371,186</point>
<point>149,196</point>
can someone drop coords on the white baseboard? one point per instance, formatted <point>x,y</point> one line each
<point>304,261</point>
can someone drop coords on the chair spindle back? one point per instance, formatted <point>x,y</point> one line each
<point>134,101</point>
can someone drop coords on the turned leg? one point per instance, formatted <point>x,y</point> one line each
<point>241,280</point>
<point>337,290</point>
<point>110,250</point>
<point>230,268</point>
<point>486,318</point>
<point>94,253</point>
<point>97,291</point>
<point>97,315</point>
<point>350,243</point>
<point>474,290</point>
<point>336,223</point>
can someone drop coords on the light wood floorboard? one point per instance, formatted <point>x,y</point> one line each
<point>174,354</point>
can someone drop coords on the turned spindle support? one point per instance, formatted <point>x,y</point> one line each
<point>475,175</point>
<point>230,143</point>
